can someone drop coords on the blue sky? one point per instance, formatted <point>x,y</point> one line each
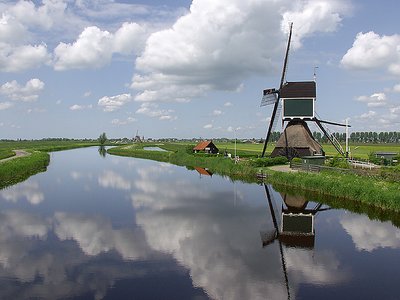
<point>76,68</point>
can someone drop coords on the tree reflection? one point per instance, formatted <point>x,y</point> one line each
<point>102,151</point>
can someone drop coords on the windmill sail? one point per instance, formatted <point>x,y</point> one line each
<point>280,87</point>
<point>270,96</point>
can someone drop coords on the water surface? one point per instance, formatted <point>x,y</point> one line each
<point>95,227</point>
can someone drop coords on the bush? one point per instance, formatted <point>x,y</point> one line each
<point>268,161</point>
<point>338,162</point>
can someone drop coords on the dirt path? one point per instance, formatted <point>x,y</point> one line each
<point>282,168</point>
<point>18,153</point>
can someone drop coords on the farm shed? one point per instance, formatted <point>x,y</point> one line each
<point>206,147</point>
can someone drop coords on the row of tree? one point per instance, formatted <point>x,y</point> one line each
<point>355,137</point>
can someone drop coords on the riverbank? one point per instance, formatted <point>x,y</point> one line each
<point>20,169</point>
<point>16,168</point>
<point>373,191</point>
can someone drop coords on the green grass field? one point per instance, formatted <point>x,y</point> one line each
<point>361,151</point>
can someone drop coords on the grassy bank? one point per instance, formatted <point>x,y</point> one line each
<point>346,187</point>
<point>17,170</point>
<point>375,191</point>
<point>21,168</point>
<point>180,154</point>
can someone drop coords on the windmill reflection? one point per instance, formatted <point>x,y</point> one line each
<point>296,229</point>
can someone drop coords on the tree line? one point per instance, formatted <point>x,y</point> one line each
<point>383,137</point>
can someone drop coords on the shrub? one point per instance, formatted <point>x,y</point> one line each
<point>268,161</point>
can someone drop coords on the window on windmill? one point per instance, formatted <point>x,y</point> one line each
<point>298,108</point>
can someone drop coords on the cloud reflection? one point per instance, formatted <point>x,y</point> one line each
<point>30,254</point>
<point>28,190</point>
<point>369,234</point>
<point>219,243</point>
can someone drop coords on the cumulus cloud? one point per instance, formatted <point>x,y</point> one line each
<point>218,43</point>
<point>311,16</point>
<point>20,58</point>
<point>227,104</point>
<point>94,47</point>
<point>375,100</point>
<point>113,103</point>
<point>152,110</point>
<point>27,93</point>
<point>372,51</point>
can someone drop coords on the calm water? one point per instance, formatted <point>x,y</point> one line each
<point>122,228</point>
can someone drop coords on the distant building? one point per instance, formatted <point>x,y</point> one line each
<point>206,147</point>
<point>389,156</point>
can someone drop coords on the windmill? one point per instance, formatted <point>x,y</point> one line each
<point>295,102</point>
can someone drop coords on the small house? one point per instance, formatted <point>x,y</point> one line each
<point>206,147</point>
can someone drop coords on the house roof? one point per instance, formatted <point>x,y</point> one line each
<point>298,89</point>
<point>202,145</point>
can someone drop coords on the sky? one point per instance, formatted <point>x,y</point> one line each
<point>191,69</point>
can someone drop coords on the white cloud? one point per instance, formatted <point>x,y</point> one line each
<point>94,48</point>
<point>20,58</point>
<point>396,88</point>
<point>5,105</point>
<point>227,104</point>
<point>372,51</point>
<point>30,92</point>
<point>80,107</point>
<point>113,103</point>
<point>218,43</point>
<point>129,39</point>
<point>87,94</point>
<point>208,126</point>
<point>311,16</point>
<point>375,100</point>
<point>368,115</point>
<point>152,110</point>
<point>123,122</point>
<point>217,112</point>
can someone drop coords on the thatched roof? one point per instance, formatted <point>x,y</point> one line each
<point>298,135</point>
<point>297,140</point>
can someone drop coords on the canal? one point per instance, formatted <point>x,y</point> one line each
<point>95,227</point>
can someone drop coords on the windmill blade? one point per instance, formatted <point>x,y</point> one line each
<point>280,87</point>
<point>271,124</point>
<point>286,57</point>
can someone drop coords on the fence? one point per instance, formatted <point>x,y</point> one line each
<point>318,168</point>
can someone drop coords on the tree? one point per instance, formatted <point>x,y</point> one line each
<point>102,138</point>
